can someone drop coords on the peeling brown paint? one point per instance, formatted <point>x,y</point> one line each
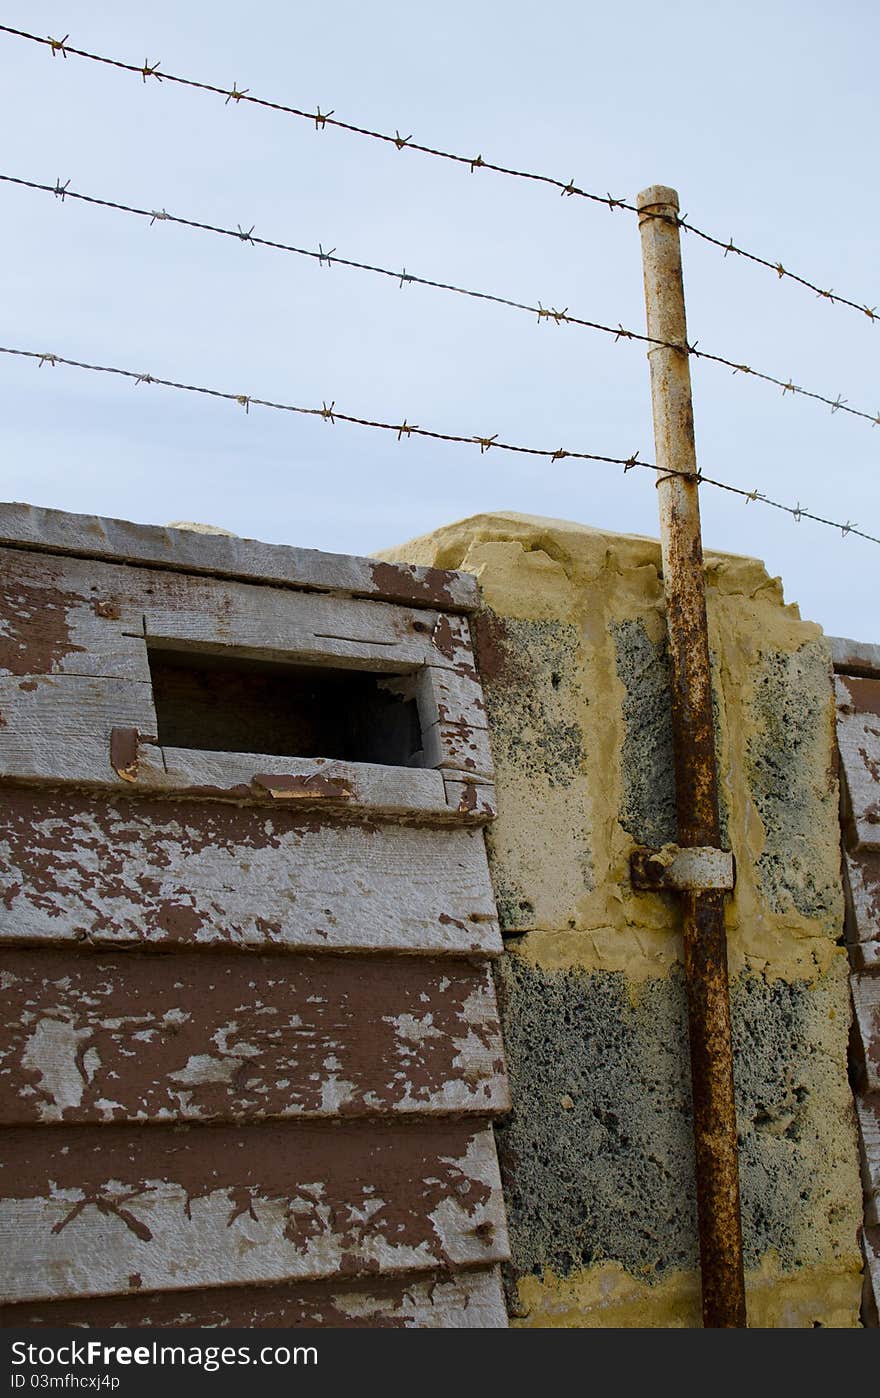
<point>166,872</point>
<point>135,1037</point>
<point>365,1188</point>
<point>270,1087</point>
<point>468,799</point>
<point>400,582</point>
<point>494,656</point>
<point>35,635</point>
<point>465,1299</point>
<point>444,638</point>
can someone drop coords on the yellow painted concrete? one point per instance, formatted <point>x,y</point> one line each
<point>565,848</point>
<point>608,1297</point>
<point>536,569</point>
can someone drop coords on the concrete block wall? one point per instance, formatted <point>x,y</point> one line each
<point>597,1155</point>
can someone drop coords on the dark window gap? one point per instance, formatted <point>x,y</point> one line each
<point>222,703</point>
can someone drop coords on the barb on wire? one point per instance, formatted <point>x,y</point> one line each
<point>827,294</point>
<point>540,311</point>
<point>411,429</point>
<point>324,119</point>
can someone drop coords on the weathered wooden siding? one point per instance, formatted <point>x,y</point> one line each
<point>215,1205</point>
<point>858,734</point>
<point>470,1299</point>
<point>74,670</point>
<point>103,1038</point>
<point>250,1052</point>
<point>135,872</point>
<point>92,536</point>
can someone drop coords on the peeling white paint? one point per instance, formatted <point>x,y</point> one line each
<point>52,1051</point>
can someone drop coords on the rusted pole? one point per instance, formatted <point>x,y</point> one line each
<point>693,728</point>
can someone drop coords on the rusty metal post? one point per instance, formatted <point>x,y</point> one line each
<point>705,945</point>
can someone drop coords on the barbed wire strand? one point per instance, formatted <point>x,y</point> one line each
<point>331,414</point>
<point>324,119</point>
<point>541,312</point>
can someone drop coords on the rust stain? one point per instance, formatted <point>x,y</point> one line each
<point>316,785</point>
<point>124,753</point>
<point>108,609</point>
<point>448,921</point>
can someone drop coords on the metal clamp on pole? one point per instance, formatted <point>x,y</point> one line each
<point>671,869</point>
<point>693,733</point>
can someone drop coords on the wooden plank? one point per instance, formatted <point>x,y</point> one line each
<point>64,616</point>
<point>58,727</point>
<point>866,1025</point>
<point>472,799</point>
<point>83,1210</point>
<point>119,1037</point>
<point>858,738</point>
<point>178,873</point>
<point>865,956</point>
<point>862,885</point>
<point>69,615</point>
<point>868,1113</point>
<point>267,623</point>
<point>443,695</point>
<point>457,747</point>
<point>466,1300</point>
<point>311,782</point>
<point>91,536</point>
<point>871,1287</point>
<point>854,657</point>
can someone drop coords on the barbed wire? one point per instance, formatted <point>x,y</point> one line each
<point>331,414</point>
<point>322,120</point>
<point>403,278</point>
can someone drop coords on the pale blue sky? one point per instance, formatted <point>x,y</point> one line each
<point>763,115</point>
